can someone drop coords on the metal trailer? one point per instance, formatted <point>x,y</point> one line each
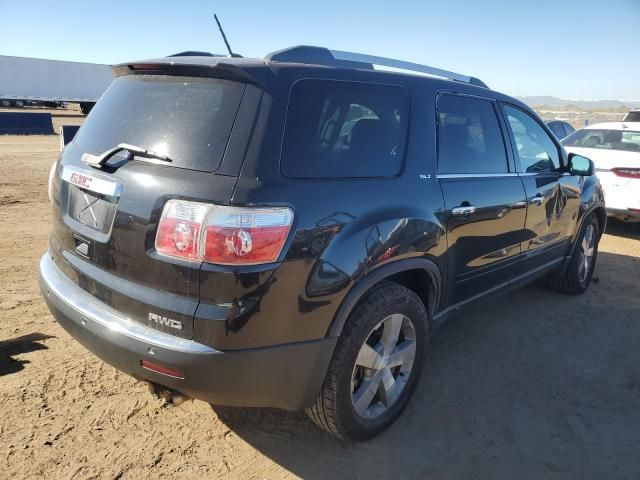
<point>36,81</point>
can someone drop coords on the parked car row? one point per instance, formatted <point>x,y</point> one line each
<point>7,103</point>
<point>614,148</point>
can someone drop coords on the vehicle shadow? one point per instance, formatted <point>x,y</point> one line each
<point>13,346</point>
<point>623,229</point>
<point>534,385</point>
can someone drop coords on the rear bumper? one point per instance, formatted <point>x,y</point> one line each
<point>622,195</point>
<point>624,213</point>
<point>286,376</point>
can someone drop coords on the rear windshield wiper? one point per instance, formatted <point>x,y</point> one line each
<point>150,156</point>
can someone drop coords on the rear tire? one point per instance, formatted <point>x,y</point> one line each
<point>376,365</point>
<point>576,277</point>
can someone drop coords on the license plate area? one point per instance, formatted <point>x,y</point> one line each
<point>92,209</point>
<point>91,199</point>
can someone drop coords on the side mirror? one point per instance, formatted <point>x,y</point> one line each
<point>579,165</point>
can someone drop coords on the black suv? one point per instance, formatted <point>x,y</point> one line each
<point>286,232</point>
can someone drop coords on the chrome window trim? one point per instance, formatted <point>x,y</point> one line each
<point>492,175</point>
<point>476,175</point>
<point>535,174</point>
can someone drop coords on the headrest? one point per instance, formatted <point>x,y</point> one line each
<point>369,130</point>
<point>613,136</point>
<point>456,134</point>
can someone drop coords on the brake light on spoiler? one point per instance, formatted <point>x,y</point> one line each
<point>222,235</point>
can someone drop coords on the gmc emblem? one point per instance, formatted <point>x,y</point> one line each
<point>167,322</point>
<point>80,180</point>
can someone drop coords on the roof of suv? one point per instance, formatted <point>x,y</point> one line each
<point>299,55</point>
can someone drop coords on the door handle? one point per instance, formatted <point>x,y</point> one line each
<point>537,200</point>
<point>464,211</point>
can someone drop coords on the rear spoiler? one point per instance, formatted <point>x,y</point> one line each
<point>223,70</point>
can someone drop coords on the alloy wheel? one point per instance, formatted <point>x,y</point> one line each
<point>587,252</point>
<point>383,366</point>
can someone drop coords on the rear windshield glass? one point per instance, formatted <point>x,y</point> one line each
<point>338,129</point>
<point>188,119</point>
<point>632,117</point>
<point>624,140</point>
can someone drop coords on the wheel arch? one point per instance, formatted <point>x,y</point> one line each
<point>601,215</point>
<point>420,275</point>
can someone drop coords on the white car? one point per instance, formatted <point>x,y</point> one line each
<point>615,150</point>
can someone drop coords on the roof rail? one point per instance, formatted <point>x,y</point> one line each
<point>339,58</point>
<point>414,67</point>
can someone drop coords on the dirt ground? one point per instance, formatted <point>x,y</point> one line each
<point>535,385</point>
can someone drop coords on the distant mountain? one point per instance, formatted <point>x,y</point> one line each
<point>585,104</point>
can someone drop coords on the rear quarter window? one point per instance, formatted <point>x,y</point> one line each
<point>632,117</point>
<point>341,129</point>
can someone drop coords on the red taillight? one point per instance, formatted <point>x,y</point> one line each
<point>246,245</point>
<point>626,172</point>
<point>223,235</point>
<point>245,236</point>
<point>178,238</point>
<point>179,229</point>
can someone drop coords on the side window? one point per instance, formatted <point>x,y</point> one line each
<point>469,136</point>
<point>568,129</point>
<point>536,150</point>
<point>340,129</point>
<point>556,128</point>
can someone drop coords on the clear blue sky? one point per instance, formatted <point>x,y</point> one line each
<point>587,49</point>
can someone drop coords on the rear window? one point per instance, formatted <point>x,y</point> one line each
<point>568,129</point>
<point>632,117</point>
<point>556,128</point>
<point>188,119</point>
<point>339,129</point>
<point>622,140</point>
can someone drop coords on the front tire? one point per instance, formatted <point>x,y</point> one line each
<point>576,277</point>
<point>376,364</point>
